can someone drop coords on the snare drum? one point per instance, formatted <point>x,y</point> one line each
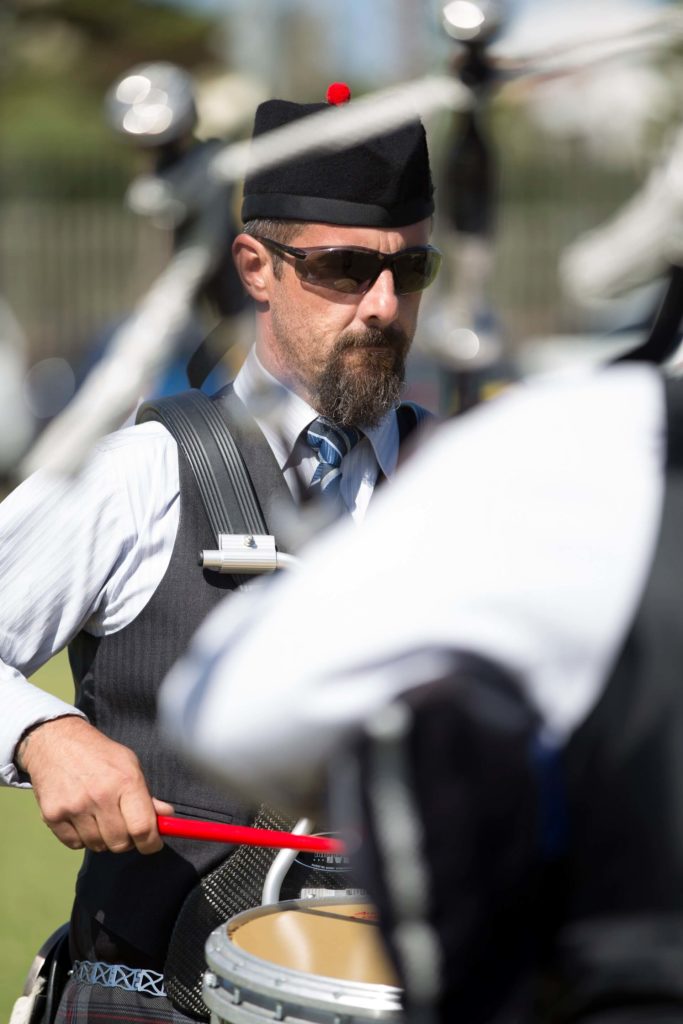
<point>314,960</point>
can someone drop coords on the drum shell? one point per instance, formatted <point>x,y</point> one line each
<point>241,987</point>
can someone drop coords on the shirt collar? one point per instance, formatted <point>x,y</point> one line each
<point>282,415</point>
<point>279,412</point>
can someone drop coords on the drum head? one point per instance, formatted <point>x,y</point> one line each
<point>335,941</point>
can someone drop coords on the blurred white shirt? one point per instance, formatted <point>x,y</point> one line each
<point>523,532</point>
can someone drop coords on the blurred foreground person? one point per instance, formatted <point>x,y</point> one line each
<point>495,708</point>
<point>334,252</point>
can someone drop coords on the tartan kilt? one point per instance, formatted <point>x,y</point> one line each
<point>83,1003</point>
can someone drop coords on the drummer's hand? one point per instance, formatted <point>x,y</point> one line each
<point>90,790</point>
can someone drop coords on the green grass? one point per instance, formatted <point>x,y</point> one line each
<point>37,872</point>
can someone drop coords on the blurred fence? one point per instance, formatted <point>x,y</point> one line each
<point>550,194</point>
<point>72,259</point>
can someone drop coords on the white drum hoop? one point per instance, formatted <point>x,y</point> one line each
<point>242,988</point>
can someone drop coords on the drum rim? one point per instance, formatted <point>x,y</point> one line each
<point>245,971</point>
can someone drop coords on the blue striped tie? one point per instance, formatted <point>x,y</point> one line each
<point>330,443</point>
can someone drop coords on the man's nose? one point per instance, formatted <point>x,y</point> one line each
<point>379,305</point>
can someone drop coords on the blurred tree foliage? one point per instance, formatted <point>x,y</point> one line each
<point>59,57</point>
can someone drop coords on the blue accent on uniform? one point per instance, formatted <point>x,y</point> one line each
<point>548,765</point>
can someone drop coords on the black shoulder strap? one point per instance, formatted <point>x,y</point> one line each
<point>226,488</point>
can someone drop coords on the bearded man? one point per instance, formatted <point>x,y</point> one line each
<point>335,254</point>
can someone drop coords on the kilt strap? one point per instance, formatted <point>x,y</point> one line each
<point>132,979</point>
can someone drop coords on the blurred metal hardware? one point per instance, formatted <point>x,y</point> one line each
<point>152,104</point>
<point>246,554</point>
<point>281,865</point>
<point>470,20</point>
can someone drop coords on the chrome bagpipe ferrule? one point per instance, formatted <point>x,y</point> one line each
<point>246,554</point>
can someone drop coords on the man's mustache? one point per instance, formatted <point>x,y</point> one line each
<point>374,337</point>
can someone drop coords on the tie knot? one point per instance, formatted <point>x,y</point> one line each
<point>330,443</point>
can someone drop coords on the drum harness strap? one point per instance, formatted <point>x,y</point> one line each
<point>224,483</point>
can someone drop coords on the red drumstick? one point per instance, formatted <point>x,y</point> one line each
<point>216,832</point>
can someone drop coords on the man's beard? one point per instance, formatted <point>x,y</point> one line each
<point>360,389</point>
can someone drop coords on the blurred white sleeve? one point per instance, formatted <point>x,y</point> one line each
<point>523,532</point>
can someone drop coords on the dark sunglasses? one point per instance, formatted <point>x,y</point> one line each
<point>353,269</point>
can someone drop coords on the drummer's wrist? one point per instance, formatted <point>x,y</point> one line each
<point>22,753</point>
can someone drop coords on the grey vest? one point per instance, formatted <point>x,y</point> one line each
<point>117,679</point>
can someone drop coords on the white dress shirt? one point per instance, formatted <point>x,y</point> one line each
<point>89,553</point>
<point>523,532</point>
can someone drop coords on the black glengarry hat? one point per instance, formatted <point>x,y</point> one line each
<point>383,182</point>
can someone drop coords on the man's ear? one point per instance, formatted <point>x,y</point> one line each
<point>253,265</point>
